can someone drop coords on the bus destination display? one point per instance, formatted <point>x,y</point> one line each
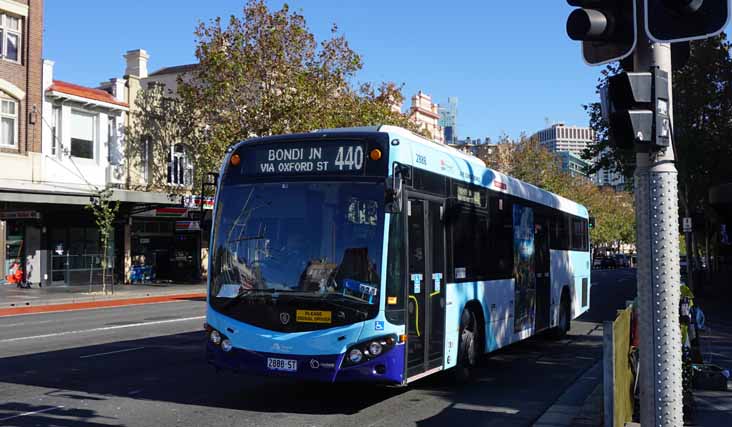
<point>330,158</point>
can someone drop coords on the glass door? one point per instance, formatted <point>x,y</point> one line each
<point>426,291</point>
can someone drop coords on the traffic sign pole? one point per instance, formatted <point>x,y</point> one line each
<point>656,193</point>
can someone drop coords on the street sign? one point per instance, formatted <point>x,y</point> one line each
<point>687,224</point>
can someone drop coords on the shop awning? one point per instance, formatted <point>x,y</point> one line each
<point>24,192</point>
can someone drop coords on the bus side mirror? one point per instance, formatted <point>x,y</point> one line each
<point>393,192</point>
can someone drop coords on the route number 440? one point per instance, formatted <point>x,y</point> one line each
<point>349,158</point>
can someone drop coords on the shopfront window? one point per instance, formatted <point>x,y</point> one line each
<point>14,236</point>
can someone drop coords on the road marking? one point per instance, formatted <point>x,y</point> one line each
<point>486,408</point>
<point>134,392</point>
<point>111,352</point>
<point>108,328</point>
<point>31,413</point>
<point>8,325</point>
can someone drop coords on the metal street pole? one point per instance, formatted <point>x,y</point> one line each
<point>658,265</point>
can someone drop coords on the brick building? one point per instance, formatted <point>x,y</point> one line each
<point>21,67</point>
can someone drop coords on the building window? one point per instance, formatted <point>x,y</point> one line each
<point>144,159</point>
<point>55,129</point>
<point>10,36</point>
<point>8,122</point>
<point>180,167</point>
<point>82,135</point>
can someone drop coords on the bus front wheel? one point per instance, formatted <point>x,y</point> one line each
<point>468,348</point>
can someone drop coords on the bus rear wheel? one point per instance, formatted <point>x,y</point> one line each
<point>468,348</point>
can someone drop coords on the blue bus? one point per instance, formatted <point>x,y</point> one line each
<point>375,255</point>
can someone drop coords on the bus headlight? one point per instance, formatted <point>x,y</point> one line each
<point>375,349</point>
<point>215,337</point>
<point>355,355</point>
<point>369,349</point>
<point>226,345</point>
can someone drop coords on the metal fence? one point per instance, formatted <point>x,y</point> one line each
<point>80,269</point>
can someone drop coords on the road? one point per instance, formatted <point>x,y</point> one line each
<point>144,365</point>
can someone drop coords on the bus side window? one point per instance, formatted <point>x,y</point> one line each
<point>395,268</point>
<point>500,251</point>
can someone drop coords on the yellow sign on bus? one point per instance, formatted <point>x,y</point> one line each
<point>313,316</point>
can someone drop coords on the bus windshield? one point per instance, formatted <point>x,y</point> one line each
<point>301,239</point>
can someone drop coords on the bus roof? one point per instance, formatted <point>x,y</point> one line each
<point>424,154</point>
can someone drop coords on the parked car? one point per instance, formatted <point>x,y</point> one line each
<point>604,262</point>
<point>622,261</point>
<point>597,262</point>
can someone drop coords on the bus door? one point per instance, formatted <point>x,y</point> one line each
<point>542,265</point>
<point>426,289</point>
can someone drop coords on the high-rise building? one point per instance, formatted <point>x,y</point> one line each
<point>560,137</point>
<point>448,120</point>
<point>574,164</point>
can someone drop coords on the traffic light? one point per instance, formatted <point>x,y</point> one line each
<point>606,28</point>
<point>683,20</point>
<point>639,110</point>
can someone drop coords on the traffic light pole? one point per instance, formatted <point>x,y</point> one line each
<point>656,181</point>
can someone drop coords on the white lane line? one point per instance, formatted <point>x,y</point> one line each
<point>31,413</point>
<point>110,352</point>
<point>108,328</point>
<point>8,325</point>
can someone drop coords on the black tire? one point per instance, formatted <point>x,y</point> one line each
<point>564,320</point>
<point>468,346</point>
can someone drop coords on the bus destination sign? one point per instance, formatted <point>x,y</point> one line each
<point>329,158</point>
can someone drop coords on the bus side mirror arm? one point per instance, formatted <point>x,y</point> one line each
<point>393,193</point>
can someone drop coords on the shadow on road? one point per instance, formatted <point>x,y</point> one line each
<point>24,414</point>
<point>536,371</point>
<point>511,382</point>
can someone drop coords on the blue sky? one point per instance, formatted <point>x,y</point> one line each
<point>511,67</point>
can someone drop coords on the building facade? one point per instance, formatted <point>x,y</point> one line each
<point>426,115</point>
<point>573,164</point>
<point>448,120</point>
<point>560,137</point>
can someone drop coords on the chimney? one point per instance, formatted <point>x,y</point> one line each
<point>136,63</point>
<point>47,73</point>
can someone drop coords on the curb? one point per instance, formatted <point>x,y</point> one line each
<point>569,406</point>
<point>87,305</point>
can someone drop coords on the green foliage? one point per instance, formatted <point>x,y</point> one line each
<point>702,124</point>
<point>264,73</point>
<point>105,212</point>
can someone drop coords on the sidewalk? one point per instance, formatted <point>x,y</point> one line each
<point>714,408</point>
<point>15,300</point>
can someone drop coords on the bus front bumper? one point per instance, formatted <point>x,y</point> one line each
<point>387,368</point>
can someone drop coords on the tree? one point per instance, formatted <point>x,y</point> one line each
<point>264,73</point>
<point>159,122</point>
<point>105,212</point>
